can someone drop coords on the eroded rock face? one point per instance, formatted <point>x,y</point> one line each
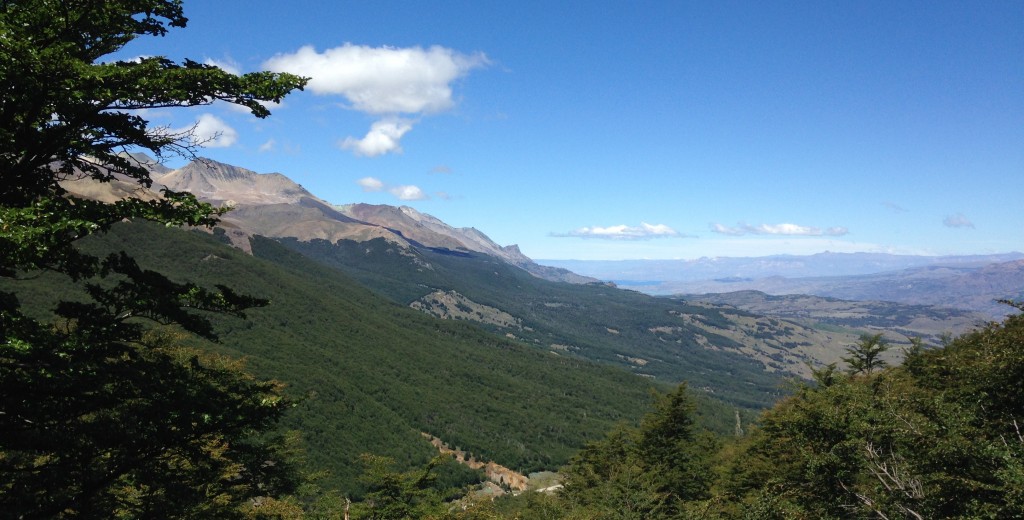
<point>495,472</point>
<point>215,181</point>
<point>451,305</point>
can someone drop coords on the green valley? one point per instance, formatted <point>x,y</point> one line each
<point>371,375</point>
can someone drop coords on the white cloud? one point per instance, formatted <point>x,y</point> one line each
<point>383,137</point>
<point>408,193</point>
<point>382,80</point>
<point>370,184</point>
<point>958,220</point>
<point>210,131</point>
<point>778,229</point>
<point>623,232</point>
<point>725,230</point>
<point>403,192</point>
<point>268,146</point>
<point>228,65</point>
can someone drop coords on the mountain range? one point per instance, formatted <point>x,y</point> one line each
<point>272,205</point>
<point>969,282</point>
<point>419,261</point>
<point>399,325</point>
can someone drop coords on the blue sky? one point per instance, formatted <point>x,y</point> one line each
<point>614,130</point>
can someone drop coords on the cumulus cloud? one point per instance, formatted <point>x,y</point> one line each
<point>383,137</point>
<point>777,229</point>
<point>408,193</point>
<point>958,220</point>
<point>403,192</point>
<point>623,232</point>
<point>209,131</point>
<point>385,81</point>
<point>382,80</point>
<point>370,184</point>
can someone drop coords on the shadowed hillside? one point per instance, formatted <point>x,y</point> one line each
<point>370,374</point>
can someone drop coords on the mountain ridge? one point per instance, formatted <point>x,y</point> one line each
<point>969,282</point>
<point>272,205</point>
<point>417,260</point>
<point>819,264</point>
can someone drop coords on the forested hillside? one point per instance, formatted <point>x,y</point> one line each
<point>149,371</point>
<point>938,437</point>
<point>370,375</point>
<point>650,336</point>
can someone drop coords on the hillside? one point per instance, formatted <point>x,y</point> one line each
<point>898,322</point>
<point>736,356</point>
<point>417,260</point>
<point>372,375</point>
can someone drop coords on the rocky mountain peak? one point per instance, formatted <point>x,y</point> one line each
<point>272,205</point>
<point>155,167</point>
<point>220,182</point>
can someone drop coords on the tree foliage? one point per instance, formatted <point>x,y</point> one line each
<point>864,357</point>
<point>101,416</point>
<point>394,495</point>
<point>939,437</point>
<point>66,113</point>
<point>648,471</point>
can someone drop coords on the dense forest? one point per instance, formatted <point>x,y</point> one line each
<point>576,316</point>
<point>150,372</point>
<point>938,437</point>
<point>368,375</point>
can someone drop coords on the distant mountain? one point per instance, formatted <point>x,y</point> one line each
<point>428,231</point>
<point>269,204</point>
<point>521,368</point>
<point>417,260</point>
<point>272,205</point>
<point>972,282</point>
<point>975,289</point>
<point>225,184</point>
<point>789,266</point>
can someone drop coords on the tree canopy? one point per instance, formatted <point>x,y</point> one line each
<point>102,414</point>
<point>65,113</point>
